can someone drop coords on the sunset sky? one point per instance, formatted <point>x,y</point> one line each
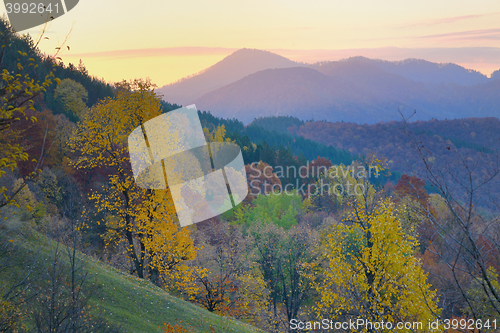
<point>168,40</point>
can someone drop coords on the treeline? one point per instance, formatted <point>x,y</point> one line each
<point>279,124</point>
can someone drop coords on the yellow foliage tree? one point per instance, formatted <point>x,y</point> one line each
<point>18,90</point>
<point>218,134</point>
<point>73,96</point>
<point>145,219</point>
<point>255,296</point>
<point>10,318</point>
<point>371,271</point>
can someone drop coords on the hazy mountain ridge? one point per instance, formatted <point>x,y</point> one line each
<point>417,70</point>
<point>361,94</point>
<point>301,92</point>
<point>357,89</point>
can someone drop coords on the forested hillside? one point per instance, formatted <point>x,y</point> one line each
<point>389,140</point>
<point>470,137</point>
<point>41,65</point>
<point>268,139</point>
<point>46,283</point>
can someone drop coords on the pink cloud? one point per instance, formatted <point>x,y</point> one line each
<point>475,35</point>
<point>445,20</point>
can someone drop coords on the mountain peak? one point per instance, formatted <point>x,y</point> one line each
<point>232,68</point>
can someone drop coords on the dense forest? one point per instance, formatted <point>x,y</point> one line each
<point>393,226</point>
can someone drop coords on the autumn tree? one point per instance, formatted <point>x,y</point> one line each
<point>414,205</point>
<point>413,187</point>
<point>217,268</point>
<point>144,219</point>
<point>276,287</point>
<point>73,96</point>
<point>261,179</point>
<point>315,168</point>
<point>371,272</point>
<point>466,230</point>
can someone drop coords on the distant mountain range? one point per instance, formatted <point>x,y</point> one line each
<point>413,69</point>
<point>251,83</point>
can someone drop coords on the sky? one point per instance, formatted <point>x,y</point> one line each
<point>169,40</point>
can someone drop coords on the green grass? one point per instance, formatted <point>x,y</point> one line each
<point>134,304</point>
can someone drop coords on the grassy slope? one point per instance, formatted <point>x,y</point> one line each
<point>136,305</point>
